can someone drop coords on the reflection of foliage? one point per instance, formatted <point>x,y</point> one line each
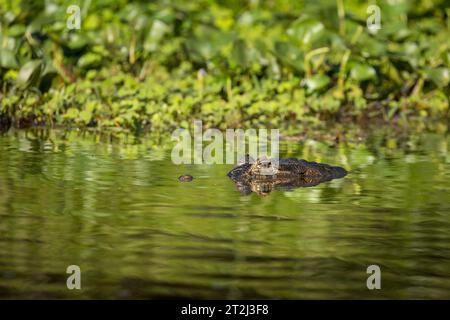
<point>134,65</point>
<point>101,199</point>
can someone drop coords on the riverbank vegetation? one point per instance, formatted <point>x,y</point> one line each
<point>156,66</point>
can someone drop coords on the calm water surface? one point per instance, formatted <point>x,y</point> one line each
<point>117,210</point>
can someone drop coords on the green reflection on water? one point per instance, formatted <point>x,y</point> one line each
<point>116,209</point>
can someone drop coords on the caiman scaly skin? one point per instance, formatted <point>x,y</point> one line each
<point>264,175</point>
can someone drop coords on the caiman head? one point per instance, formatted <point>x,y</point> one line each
<point>264,167</point>
<point>248,169</point>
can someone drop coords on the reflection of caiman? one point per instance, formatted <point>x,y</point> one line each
<point>264,175</point>
<point>5,122</point>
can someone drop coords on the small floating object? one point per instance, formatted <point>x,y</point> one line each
<point>185,178</point>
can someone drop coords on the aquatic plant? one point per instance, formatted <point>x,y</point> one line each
<point>155,66</point>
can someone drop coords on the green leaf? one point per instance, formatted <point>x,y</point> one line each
<point>439,76</point>
<point>89,60</point>
<point>306,30</point>
<point>317,82</point>
<point>29,74</point>
<point>239,54</point>
<point>371,47</point>
<point>71,113</point>
<point>77,42</point>
<point>289,55</point>
<point>362,72</point>
<point>209,43</point>
<point>16,30</point>
<point>157,32</point>
<point>85,116</point>
<point>7,59</point>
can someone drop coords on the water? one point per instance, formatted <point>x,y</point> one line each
<point>117,210</point>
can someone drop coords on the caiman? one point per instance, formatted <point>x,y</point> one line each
<point>264,175</point>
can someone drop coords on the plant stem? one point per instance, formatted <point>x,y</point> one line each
<point>342,70</point>
<point>308,57</point>
<point>341,15</point>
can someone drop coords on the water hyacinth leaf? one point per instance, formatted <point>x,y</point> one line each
<point>40,22</point>
<point>371,47</point>
<point>166,15</point>
<point>200,50</point>
<point>157,32</point>
<point>141,23</point>
<point>85,116</point>
<point>8,17</point>
<point>132,12</point>
<point>289,55</point>
<point>16,30</point>
<point>446,57</point>
<point>306,30</point>
<point>9,43</point>
<point>7,59</point>
<point>48,74</point>
<point>362,72</point>
<point>209,43</point>
<point>29,74</point>
<point>239,54</point>
<point>317,82</point>
<point>159,28</point>
<point>46,80</point>
<point>410,52</point>
<point>89,61</point>
<point>401,34</point>
<point>77,42</point>
<point>439,76</point>
<point>72,113</point>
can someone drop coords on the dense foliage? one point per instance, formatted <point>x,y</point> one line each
<point>156,66</point>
